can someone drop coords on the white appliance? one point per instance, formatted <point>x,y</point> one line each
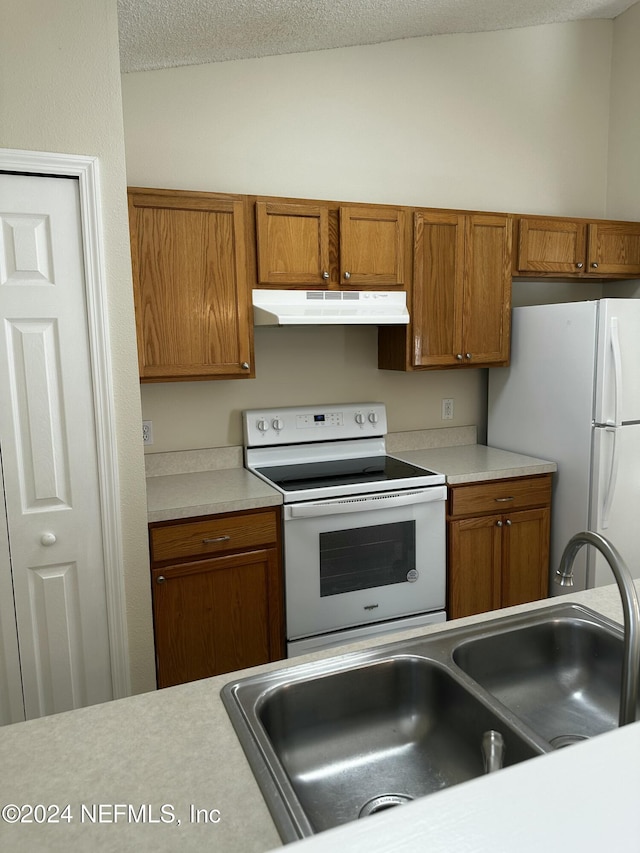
<point>364,532</point>
<point>572,395</point>
<point>329,308</point>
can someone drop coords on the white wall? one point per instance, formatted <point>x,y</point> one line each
<point>59,71</point>
<point>493,121</point>
<point>623,195</point>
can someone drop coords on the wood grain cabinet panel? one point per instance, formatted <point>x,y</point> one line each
<point>372,246</point>
<point>323,244</point>
<point>293,243</point>
<point>216,614</point>
<point>498,558</point>
<point>461,294</point>
<point>576,248</point>
<point>189,263</point>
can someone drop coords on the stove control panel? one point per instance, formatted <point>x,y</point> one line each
<point>297,424</point>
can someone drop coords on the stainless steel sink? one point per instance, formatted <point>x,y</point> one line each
<point>346,737</point>
<point>561,677</point>
<point>357,741</point>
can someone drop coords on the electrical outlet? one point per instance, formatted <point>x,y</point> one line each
<point>447,408</point>
<point>147,432</point>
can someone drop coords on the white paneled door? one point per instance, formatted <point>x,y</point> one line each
<point>52,566</point>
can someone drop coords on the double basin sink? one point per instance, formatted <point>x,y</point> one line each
<point>343,738</point>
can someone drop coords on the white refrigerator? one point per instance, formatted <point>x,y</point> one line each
<point>572,395</point>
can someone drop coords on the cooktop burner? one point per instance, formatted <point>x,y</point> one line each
<point>322,452</point>
<point>340,472</point>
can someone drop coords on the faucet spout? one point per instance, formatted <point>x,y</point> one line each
<point>630,609</point>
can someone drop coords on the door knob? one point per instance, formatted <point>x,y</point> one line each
<point>48,539</point>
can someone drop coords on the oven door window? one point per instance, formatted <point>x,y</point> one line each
<point>366,557</point>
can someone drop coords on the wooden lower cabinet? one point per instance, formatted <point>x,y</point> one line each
<point>498,558</point>
<point>222,612</point>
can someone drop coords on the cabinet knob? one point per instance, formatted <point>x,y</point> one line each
<point>508,522</point>
<point>579,265</point>
<point>245,365</point>
<point>498,524</point>
<point>459,356</point>
<point>160,579</point>
<point>48,539</point>
<point>347,274</point>
<point>325,275</point>
<point>594,265</point>
<point>468,355</point>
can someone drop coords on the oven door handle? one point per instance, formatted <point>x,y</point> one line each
<point>315,509</point>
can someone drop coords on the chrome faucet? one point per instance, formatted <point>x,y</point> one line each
<point>630,609</point>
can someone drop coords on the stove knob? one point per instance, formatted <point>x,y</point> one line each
<point>359,418</point>
<point>262,424</point>
<point>277,424</point>
<point>373,417</point>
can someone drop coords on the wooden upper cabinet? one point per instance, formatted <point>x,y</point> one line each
<point>372,246</point>
<point>326,245</point>
<point>614,248</point>
<point>293,243</point>
<point>486,318</point>
<point>577,248</point>
<point>546,245</point>
<point>438,287</point>
<point>189,261</point>
<point>462,289</point>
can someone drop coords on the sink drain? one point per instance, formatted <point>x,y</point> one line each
<point>566,740</point>
<point>382,803</point>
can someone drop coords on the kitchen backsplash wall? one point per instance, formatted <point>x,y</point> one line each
<point>491,121</point>
<point>305,366</point>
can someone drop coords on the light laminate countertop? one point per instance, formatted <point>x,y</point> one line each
<point>135,773</point>
<point>193,483</point>
<point>196,493</point>
<point>472,463</point>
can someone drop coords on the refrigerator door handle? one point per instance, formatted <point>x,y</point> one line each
<point>617,373</point>
<point>612,479</point>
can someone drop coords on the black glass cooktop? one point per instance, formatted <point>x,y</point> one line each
<point>341,472</point>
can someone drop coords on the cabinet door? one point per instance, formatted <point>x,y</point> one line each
<point>486,317</point>
<point>293,243</point>
<point>551,245</point>
<point>438,288</point>
<point>372,246</point>
<point>190,286</point>
<point>217,615</point>
<point>525,566</point>
<point>614,248</point>
<point>474,566</point>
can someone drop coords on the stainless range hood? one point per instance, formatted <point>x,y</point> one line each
<point>329,308</point>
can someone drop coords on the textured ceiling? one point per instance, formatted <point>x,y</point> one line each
<point>168,33</point>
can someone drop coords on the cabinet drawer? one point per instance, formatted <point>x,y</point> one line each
<point>213,535</point>
<point>500,496</point>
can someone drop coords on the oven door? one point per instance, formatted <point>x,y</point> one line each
<point>358,560</point>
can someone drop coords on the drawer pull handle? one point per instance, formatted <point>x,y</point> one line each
<point>217,539</point>
<point>504,500</point>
